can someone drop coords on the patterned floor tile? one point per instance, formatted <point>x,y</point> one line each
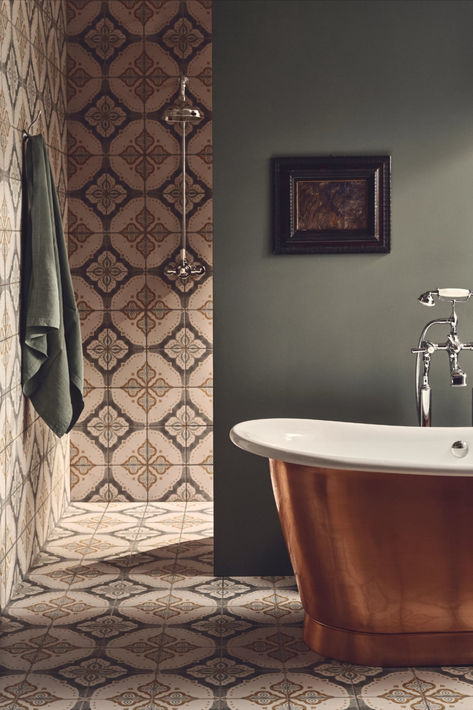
<point>443,691</point>
<point>100,547</point>
<point>92,672</point>
<point>255,607</point>
<point>148,691</point>
<point>19,649</point>
<point>38,690</point>
<point>112,522</point>
<point>104,627</point>
<point>138,649</point>
<point>289,607</point>
<point>160,574</point>
<point>118,590</point>
<point>393,689</point>
<point>175,607</point>
<point>170,541</point>
<point>273,690</point>
<point>60,608</point>
<point>61,575</point>
<point>272,647</point>
<point>345,673</point>
<point>464,673</point>
<point>238,590</point>
<point>221,625</point>
<point>153,627</point>
<point>61,646</point>
<point>387,704</point>
<point>220,672</point>
<point>82,522</point>
<point>201,550</point>
<point>268,690</point>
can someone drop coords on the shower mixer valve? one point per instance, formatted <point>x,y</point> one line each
<point>183,269</point>
<point>426,348</point>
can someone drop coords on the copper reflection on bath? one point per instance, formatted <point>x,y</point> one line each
<point>382,561</point>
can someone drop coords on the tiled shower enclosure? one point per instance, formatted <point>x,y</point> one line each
<point>146,433</point>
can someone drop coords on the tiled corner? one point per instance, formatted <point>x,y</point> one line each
<point>34,466</point>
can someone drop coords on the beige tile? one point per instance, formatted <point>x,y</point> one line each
<point>201,12</point>
<point>81,17</point>
<point>61,608</point>
<point>90,547</point>
<point>392,688</point>
<point>201,321</point>
<point>131,480</point>
<point>83,78</point>
<point>149,690</point>
<point>62,646</point>
<point>166,482</point>
<point>62,695</point>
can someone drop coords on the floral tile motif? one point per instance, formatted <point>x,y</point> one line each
<point>37,690</point>
<point>61,646</point>
<point>58,608</point>
<point>124,62</point>
<point>145,690</point>
<point>272,647</point>
<point>90,672</point>
<point>106,626</point>
<point>440,690</point>
<point>394,689</point>
<point>274,691</point>
<point>72,575</point>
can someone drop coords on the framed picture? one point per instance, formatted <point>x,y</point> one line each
<point>331,204</point>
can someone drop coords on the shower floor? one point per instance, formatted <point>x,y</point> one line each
<point>121,610</point>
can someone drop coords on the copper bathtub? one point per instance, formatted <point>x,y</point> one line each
<point>378,522</point>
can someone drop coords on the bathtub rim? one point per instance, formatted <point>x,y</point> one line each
<point>242,437</point>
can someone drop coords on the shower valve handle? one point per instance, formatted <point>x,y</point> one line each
<point>184,270</point>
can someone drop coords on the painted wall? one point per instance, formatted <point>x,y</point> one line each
<point>34,463</point>
<point>329,336</point>
<point>146,432</point>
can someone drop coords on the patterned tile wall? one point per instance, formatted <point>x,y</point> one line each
<point>33,462</point>
<point>146,432</point>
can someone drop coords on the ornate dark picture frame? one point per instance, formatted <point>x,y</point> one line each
<point>330,204</point>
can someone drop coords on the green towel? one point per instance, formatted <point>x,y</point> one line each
<point>52,370</point>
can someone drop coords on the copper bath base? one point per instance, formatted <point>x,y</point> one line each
<point>383,563</point>
<point>369,649</point>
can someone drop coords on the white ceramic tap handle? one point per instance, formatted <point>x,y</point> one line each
<point>454,294</point>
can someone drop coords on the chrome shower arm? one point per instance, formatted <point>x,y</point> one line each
<point>182,112</point>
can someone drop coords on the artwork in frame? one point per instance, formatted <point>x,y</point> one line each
<point>331,204</point>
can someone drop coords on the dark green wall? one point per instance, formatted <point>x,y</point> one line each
<point>329,336</point>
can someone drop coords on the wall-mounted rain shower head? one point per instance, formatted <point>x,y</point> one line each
<point>182,111</point>
<point>445,294</point>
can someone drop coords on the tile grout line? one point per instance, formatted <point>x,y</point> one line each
<point>145,280</point>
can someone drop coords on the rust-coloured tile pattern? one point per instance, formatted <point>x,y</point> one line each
<point>33,462</point>
<point>146,430</point>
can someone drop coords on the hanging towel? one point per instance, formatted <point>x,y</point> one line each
<point>52,370</point>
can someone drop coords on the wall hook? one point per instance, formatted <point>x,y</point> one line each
<point>26,134</point>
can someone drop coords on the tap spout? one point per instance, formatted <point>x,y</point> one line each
<point>458,377</point>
